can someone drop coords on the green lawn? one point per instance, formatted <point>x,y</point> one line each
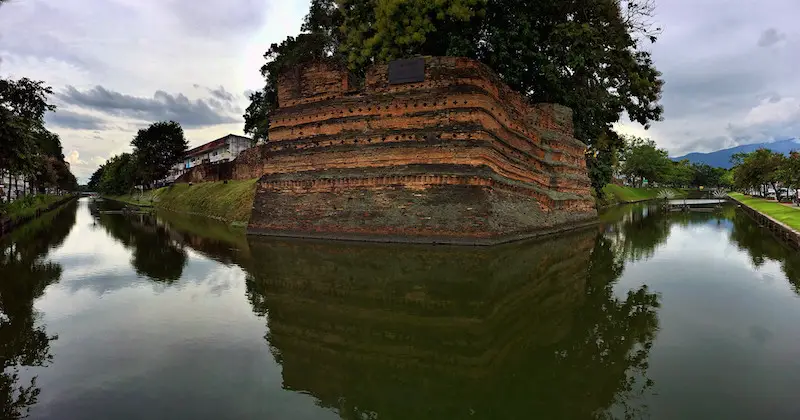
<point>619,194</point>
<point>780,212</point>
<point>28,205</point>
<point>232,202</point>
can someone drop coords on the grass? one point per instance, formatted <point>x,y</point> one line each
<point>231,202</point>
<point>619,194</point>
<point>28,206</point>
<point>787,215</point>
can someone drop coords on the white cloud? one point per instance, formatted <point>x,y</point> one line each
<point>74,158</point>
<point>716,73</point>
<point>773,110</point>
<point>136,48</point>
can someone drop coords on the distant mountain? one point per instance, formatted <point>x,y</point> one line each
<point>722,158</point>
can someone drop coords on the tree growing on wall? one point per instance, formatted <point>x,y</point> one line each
<point>157,148</point>
<point>586,54</point>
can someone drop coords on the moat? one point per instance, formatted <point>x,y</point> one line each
<point>649,314</point>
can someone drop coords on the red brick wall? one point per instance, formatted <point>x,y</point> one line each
<point>461,112</point>
<point>312,81</point>
<point>472,134</point>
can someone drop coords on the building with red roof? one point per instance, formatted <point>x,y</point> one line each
<point>223,149</point>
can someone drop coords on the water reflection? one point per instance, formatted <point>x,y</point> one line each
<point>635,232</point>
<point>438,332</point>
<point>562,328</point>
<point>157,255</point>
<point>24,274</point>
<point>761,247</point>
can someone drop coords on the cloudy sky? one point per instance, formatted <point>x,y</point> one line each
<point>731,68</point>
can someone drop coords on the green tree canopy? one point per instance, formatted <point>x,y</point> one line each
<point>680,174</point>
<point>157,148</point>
<point>643,160</point>
<point>23,104</point>
<point>757,169</point>
<point>27,149</point>
<point>707,176</point>
<point>789,172</point>
<point>119,174</point>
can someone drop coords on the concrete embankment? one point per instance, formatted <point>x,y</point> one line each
<point>779,229</point>
<point>7,224</point>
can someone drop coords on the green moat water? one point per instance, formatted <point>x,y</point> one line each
<point>648,315</point>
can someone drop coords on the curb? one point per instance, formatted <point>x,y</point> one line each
<point>779,229</point>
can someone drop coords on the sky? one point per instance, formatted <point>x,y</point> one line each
<point>730,68</point>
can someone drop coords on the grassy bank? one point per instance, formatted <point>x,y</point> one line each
<point>615,194</point>
<point>27,206</point>
<point>787,215</point>
<point>231,202</point>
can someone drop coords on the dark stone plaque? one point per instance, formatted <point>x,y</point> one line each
<point>406,71</point>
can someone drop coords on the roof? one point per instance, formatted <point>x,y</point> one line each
<point>212,145</point>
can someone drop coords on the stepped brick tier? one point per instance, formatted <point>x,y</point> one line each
<point>457,157</point>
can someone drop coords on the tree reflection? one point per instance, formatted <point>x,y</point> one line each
<point>638,231</point>
<point>211,238</point>
<point>450,332</point>
<point>761,246</point>
<point>24,275</point>
<point>156,253</point>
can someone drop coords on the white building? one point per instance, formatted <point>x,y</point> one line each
<point>18,187</point>
<point>224,149</point>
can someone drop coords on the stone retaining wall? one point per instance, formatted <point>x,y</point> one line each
<point>779,229</point>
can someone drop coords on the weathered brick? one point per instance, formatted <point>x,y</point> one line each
<point>457,157</point>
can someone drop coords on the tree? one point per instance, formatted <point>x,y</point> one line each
<point>758,169</point>
<point>94,180</point>
<point>767,164</point>
<point>23,104</point>
<point>320,38</point>
<point>726,180</point>
<point>119,175</point>
<point>381,31</point>
<point>157,148</point>
<point>680,174</point>
<point>644,161</point>
<point>29,151</point>
<point>789,172</point>
<point>706,175</point>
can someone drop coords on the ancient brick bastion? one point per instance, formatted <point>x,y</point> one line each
<point>453,157</point>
